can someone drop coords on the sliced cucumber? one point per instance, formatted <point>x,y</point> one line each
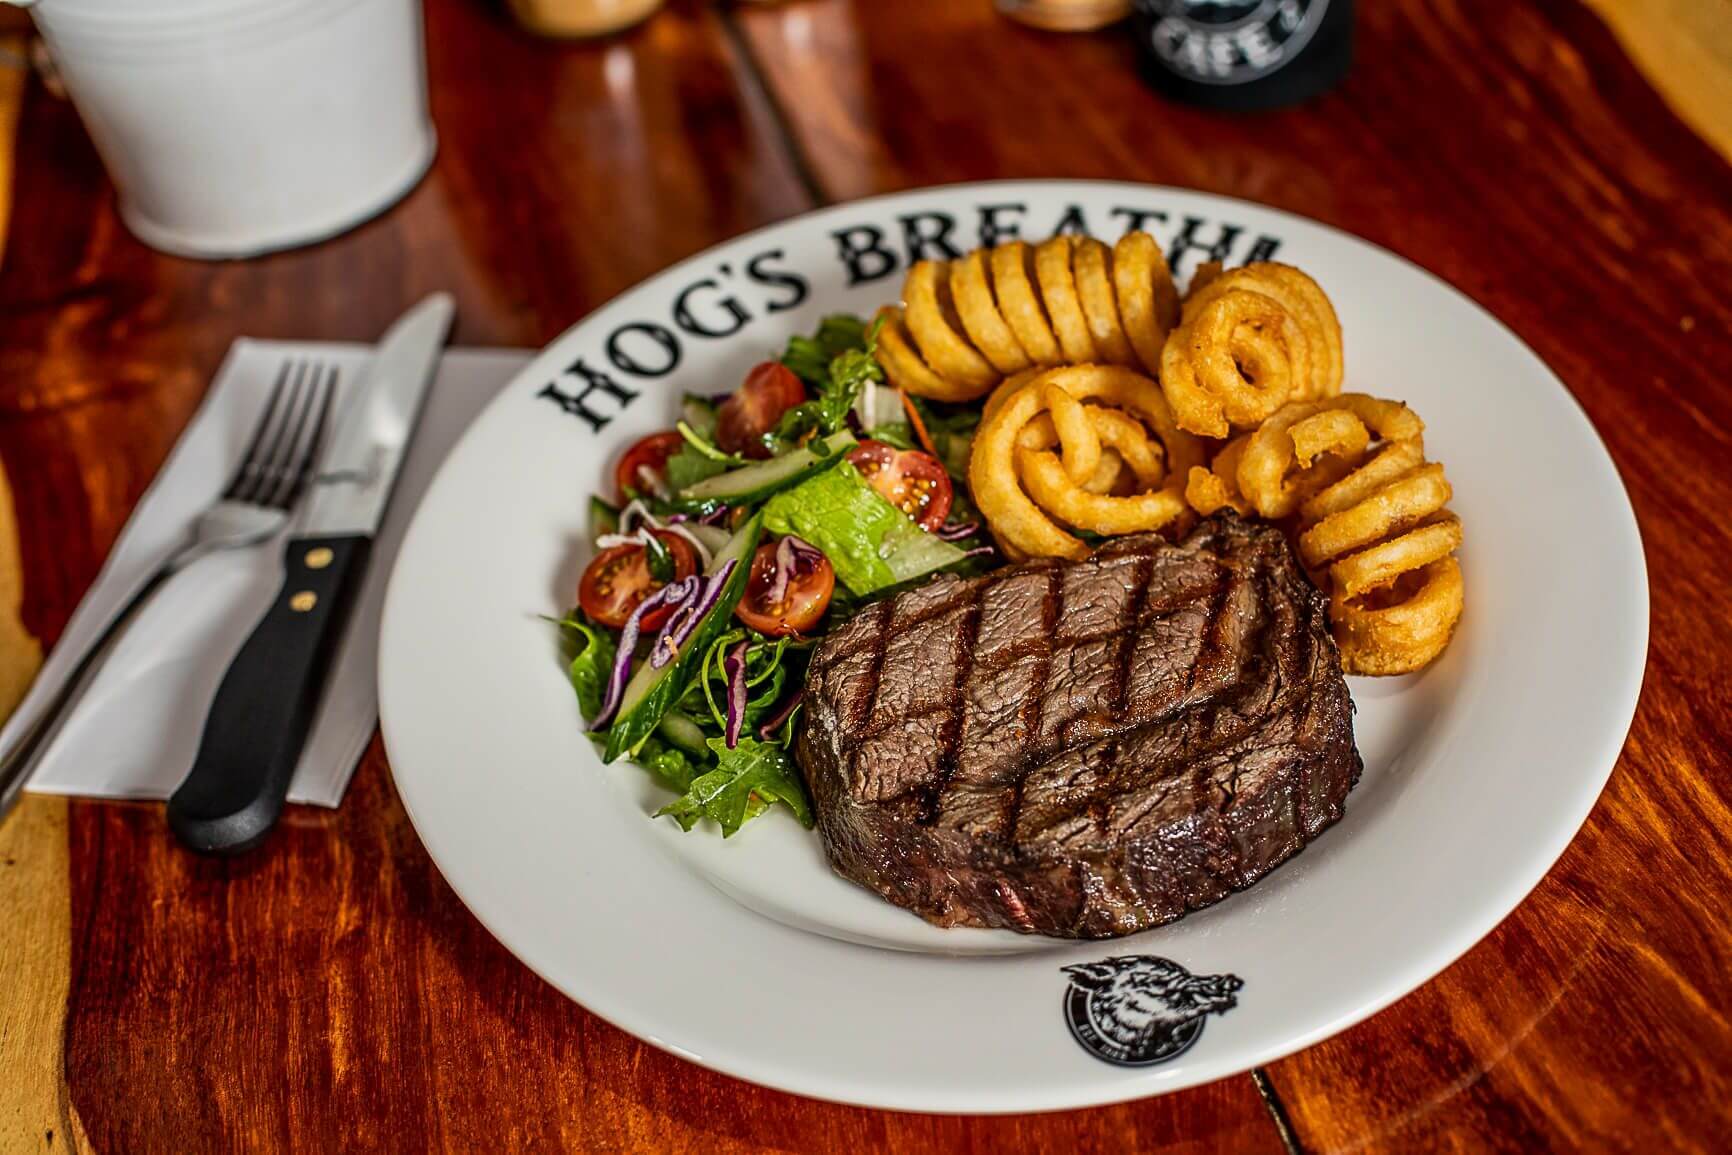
<point>603,519</point>
<point>714,537</point>
<point>680,730</point>
<point>911,552</point>
<point>652,692</point>
<point>700,414</point>
<point>760,479</point>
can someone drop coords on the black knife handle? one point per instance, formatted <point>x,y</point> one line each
<point>262,712</point>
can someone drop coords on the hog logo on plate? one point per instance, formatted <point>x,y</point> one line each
<point>1139,1010</point>
<point>1230,41</point>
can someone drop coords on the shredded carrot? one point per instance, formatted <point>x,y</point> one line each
<point>919,425</point>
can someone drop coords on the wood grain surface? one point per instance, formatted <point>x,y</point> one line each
<point>331,993</point>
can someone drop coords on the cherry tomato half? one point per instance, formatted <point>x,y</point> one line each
<point>912,481</point>
<point>802,603</point>
<point>770,390</point>
<point>650,454</point>
<point>619,578</point>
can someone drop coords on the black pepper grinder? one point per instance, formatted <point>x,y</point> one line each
<point>1243,55</point>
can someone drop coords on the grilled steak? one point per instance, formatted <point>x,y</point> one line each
<point>1082,749</point>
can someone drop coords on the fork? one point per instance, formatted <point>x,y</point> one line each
<point>255,506</point>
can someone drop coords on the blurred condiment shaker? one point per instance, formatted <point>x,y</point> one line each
<point>1066,15</point>
<point>235,127</point>
<point>1243,54</point>
<point>581,18</point>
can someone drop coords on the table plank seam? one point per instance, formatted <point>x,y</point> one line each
<point>1277,1112</point>
<point>753,74</point>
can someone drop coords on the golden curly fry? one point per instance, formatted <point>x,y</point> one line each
<point>1249,341</point>
<point>1381,564</point>
<point>1148,302</point>
<point>1336,431</point>
<point>1246,353</point>
<point>1124,439</point>
<point>902,364</point>
<point>1373,528</point>
<point>993,313</point>
<point>1308,447</point>
<point>1092,263</point>
<point>1389,463</point>
<point>1044,475</point>
<point>1229,396</point>
<point>1130,439</point>
<point>1108,474</point>
<point>1405,626</point>
<point>931,318</point>
<point>1389,512</point>
<point>1303,299</point>
<point>1052,265</point>
<point>1217,487</point>
<point>1012,449</point>
<point>1380,533</point>
<point>1013,284</point>
<point>971,290</point>
<point>1076,433</point>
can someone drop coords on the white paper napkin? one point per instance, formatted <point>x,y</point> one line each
<point>137,729</point>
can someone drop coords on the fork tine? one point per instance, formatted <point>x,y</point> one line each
<point>287,444</point>
<point>325,387</point>
<point>255,473</point>
<point>296,446</point>
<point>266,466</point>
<point>249,461</point>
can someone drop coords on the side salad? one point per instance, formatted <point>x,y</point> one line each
<point>737,538</point>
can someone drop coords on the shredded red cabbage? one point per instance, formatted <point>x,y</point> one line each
<point>784,569</point>
<point>695,597</point>
<point>622,659</point>
<point>734,668</point>
<point>687,593</point>
<point>793,555</point>
<point>956,531</point>
<point>768,729</point>
<point>705,602</point>
<point>979,551</point>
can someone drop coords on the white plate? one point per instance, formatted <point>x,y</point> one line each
<point>749,956</point>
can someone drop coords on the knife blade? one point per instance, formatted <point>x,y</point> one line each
<point>265,706</point>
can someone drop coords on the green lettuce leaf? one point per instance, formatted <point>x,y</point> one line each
<point>688,467</point>
<point>592,660</point>
<point>810,357</point>
<point>674,768</point>
<point>746,780</point>
<point>870,542</point>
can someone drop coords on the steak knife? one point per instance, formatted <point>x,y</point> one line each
<point>265,706</point>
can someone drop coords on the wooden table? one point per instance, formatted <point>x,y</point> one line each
<point>332,994</point>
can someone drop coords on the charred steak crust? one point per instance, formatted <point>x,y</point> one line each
<point>1082,749</point>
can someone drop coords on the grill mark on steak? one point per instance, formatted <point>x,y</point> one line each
<point>961,658</point>
<point>1082,749</point>
<point>1051,606</point>
<point>1139,607</point>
